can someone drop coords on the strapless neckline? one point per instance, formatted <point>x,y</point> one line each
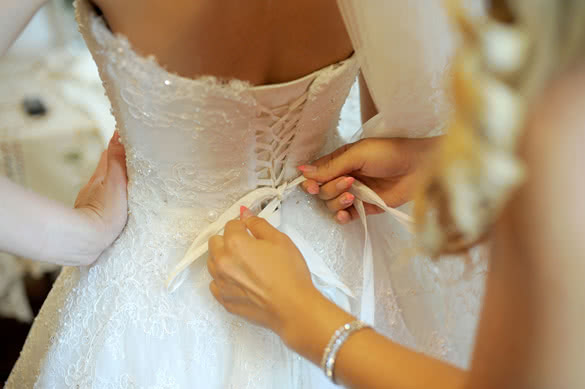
<point>107,36</point>
<point>195,147</point>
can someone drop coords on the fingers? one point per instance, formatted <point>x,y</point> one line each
<point>216,261</point>
<point>236,237</point>
<point>101,168</point>
<point>235,229</point>
<point>95,180</point>
<point>115,148</point>
<point>311,187</point>
<point>329,190</point>
<point>344,216</point>
<point>340,162</point>
<point>216,246</point>
<point>335,194</point>
<point>116,161</point>
<point>214,289</point>
<point>261,229</point>
<point>335,188</point>
<point>212,268</point>
<point>245,213</point>
<point>341,202</point>
<point>350,214</point>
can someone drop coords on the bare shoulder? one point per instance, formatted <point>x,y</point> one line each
<point>531,330</point>
<point>553,198</point>
<point>262,41</point>
<point>549,224</point>
<point>554,149</point>
<point>562,105</point>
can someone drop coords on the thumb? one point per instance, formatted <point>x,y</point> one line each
<point>116,160</point>
<point>341,162</point>
<point>259,227</point>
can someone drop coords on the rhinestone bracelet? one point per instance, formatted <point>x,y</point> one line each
<point>337,340</point>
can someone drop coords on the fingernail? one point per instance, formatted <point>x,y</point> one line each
<point>116,138</point>
<point>347,199</point>
<point>341,217</point>
<point>245,213</point>
<point>345,183</point>
<point>307,168</point>
<point>313,189</point>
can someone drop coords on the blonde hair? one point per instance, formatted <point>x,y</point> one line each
<point>504,61</point>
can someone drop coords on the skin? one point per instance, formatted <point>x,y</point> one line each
<point>530,333</point>
<point>254,276</point>
<point>41,229</point>
<point>536,274</point>
<point>394,178</point>
<point>391,167</point>
<point>262,42</point>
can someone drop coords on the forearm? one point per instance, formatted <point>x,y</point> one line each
<point>14,16</point>
<point>35,227</point>
<point>367,359</point>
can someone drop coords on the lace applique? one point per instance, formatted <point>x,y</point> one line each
<point>182,183</point>
<point>193,148</point>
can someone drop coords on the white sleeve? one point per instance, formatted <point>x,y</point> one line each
<point>404,49</point>
<point>14,16</point>
<point>35,227</point>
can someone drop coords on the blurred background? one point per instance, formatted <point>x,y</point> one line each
<point>55,121</point>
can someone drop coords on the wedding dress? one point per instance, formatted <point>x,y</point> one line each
<point>197,148</point>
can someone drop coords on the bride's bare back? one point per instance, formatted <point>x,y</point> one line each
<point>261,41</point>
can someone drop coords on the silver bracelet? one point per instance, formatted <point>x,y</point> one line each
<point>337,340</point>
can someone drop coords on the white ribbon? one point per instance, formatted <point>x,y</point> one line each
<point>276,195</point>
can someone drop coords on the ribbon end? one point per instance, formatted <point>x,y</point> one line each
<point>175,280</point>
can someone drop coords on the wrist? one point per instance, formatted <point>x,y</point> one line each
<point>312,323</point>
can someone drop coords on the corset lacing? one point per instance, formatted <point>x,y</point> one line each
<point>272,147</point>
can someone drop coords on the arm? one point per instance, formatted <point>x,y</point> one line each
<point>368,359</point>
<point>14,17</point>
<point>530,333</point>
<point>254,277</point>
<point>537,268</point>
<point>41,229</point>
<point>531,329</point>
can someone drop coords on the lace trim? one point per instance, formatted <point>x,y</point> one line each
<point>107,40</point>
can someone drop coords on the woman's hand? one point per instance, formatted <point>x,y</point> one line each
<point>390,167</point>
<point>102,202</point>
<point>41,229</point>
<point>260,276</point>
<point>263,278</point>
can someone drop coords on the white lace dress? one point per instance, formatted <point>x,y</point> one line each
<point>194,148</point>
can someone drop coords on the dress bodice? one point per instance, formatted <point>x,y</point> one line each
<point>204,142</point>
<point>195,149</point>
